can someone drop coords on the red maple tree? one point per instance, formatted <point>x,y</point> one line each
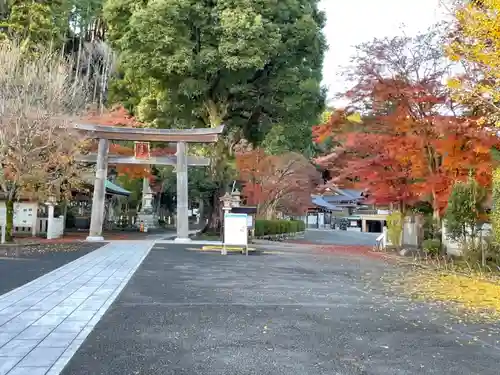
<point>277,182</point>
<point>407,150</point>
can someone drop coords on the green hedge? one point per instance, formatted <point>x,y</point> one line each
<point>271,227</point>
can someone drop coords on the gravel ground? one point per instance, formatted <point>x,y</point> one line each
<point>188,313</point>
<point>20,264</point>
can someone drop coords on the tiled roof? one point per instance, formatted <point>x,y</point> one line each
<point>114,189</point>
<point>321,202</point>
<point>352,193</point>
<point>338,198</point>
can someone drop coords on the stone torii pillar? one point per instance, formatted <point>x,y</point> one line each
<point>182,193</point>
<point>98,199</point>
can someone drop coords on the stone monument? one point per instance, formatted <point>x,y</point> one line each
<point>147,215</point>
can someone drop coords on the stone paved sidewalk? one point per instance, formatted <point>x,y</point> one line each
<point>44,322</point>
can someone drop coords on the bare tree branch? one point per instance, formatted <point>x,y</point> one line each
<point>39,100</point>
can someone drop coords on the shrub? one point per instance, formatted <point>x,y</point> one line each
<point>70,219</point>
<point>431,246</point>
<point>343,223</point>
<point>465,206</point>
<point>431,228</point>
<point>395,228</point>
<point>272,227</point>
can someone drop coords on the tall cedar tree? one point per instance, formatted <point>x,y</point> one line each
<point>247,64</point>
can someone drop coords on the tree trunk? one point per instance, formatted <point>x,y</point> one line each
<point>65,204</point>
<point>435,207</point>
<point>9,220</point>
<point>214,224</point>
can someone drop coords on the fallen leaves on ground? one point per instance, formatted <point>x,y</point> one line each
<point>474,296</point>
<point>33,250</point>
<point>351,250</point>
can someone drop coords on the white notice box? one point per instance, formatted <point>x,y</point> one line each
<point>235,229</point>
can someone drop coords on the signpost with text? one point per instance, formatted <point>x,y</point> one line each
<point>235,231</point>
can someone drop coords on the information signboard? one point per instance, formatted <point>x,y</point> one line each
<point>235,229</point>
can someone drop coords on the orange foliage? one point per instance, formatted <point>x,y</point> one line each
<point>119,116</point>
<point>277,182</point>
<point>336,122</point>
<point>409,151</point>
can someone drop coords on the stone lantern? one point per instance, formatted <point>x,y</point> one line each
<point>236,198</point>
<point>226,200</point>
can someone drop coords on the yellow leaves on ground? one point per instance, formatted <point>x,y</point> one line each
<point>476,296</point>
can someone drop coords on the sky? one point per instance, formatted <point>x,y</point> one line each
<point>350,22</point>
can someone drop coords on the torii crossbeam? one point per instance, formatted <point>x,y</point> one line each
<point>192,161</point>
<point>181,161</point>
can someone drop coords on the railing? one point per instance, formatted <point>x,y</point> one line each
<point>380,242</point>
<point>42,223</point>
<point>365,212</point>
<point>22,230</point>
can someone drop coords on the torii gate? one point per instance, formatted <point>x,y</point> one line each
<point>181,161</point>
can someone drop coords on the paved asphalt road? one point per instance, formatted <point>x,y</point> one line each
<point>340,237</point>
<point>302,313</point>
<point>37,260</point>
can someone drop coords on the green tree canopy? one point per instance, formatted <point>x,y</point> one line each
<point>465,208</point>
<point>249,64</point>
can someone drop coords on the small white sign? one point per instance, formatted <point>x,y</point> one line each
<point>249,221</point>
<point>235,229</point>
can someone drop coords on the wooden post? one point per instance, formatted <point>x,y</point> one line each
<point>97,217</point>
<point>363,225</point>
<point>182,194</point>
